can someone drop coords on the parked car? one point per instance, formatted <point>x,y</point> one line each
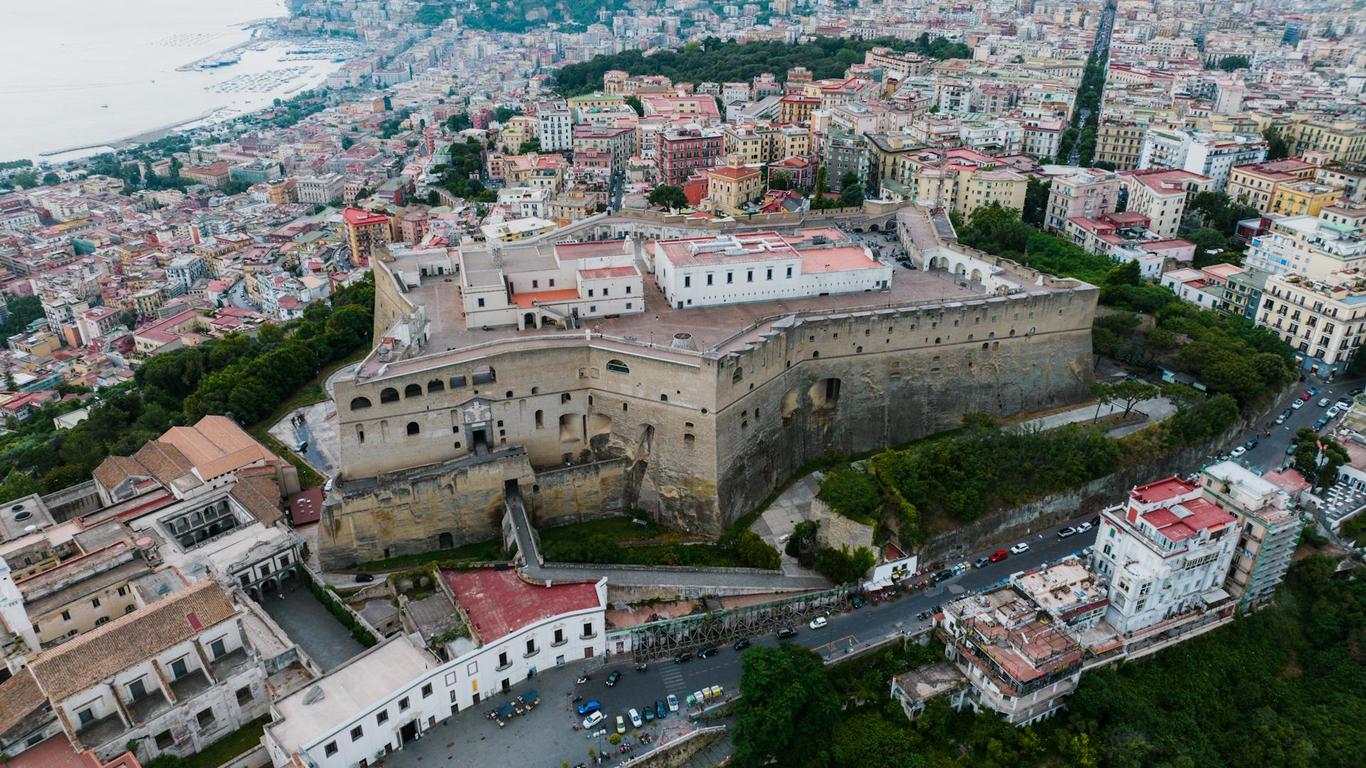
<point>1312,391</point>
<point>613,678</point>
<point>636,722</point>
<point>1019,549</point>
<point>364,578</point>
<point>707,652</point>
<point>786,632</point>
<point>998,556</point>
<point>1320,424</point>
<point>592,720</point>
<point>1323,402</point>
<point>1298,404</point>
<point>741,644</point>
<point>673,702</point>
<point>856,601</point>
<point>660,711</point>
<point>1239,451</point>
<point>589,707</point>
<point>1251,443</point>
<point>1066,532</point>
<point>649,713</point>
<point>981,562</point>
<point>1331,413</point>
<point>683,658</point>
<point>621,725</point>
<point>1084,527</point>
<point>818,622</point>
<point>943,575</point>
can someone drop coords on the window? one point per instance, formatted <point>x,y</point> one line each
<point>179,669</point>
<point>749,275</point>
<point>95,603</point>
<point>329,749</point>
<point>530,647</point>
<point>789,272</point>
<point>559,637</point>
<point>205,718</point>
<point>137,689</point>
<point>388,395</point>
<point>243,695</point>
<point>587,629</point>
<point>359,403</point>
<point>730,278</point>
<point>382,717</point>
<point>357,733</point>
<point>540,419</point>
<point>165,741</point>
<point>66,615</point>
<point>403,704</point>
<point>413,428</point>
<point>687,281</point>
<point>617,366</point>
<point>480,302</point>
<point>412,390</point>
<point>737,375</point>
<point>709,278</point>
<point>436,385</point>
<point>564,398</point>
<point>426,690</point>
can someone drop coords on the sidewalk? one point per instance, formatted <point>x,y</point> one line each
<point>1156,409</point>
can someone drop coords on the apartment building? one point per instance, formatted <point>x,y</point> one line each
<point>732,187</point>
<point>1164,553</point>
<point>1119,143</point>
<point>1270,530</point>
<point>1087,193</point>
<point>1304,198</point>
<point>1341,141</point>
<point>682,153</point>
<point>1322,319</point>
<point>1311,246</point>
<point>366,234</point>
<point>174,676</point>
<point>1208,154</point>
<point>1161,195</point>
<point>1256,184</point>
<point>556,127</point>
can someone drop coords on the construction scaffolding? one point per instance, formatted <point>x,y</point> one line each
<point>669,637</point>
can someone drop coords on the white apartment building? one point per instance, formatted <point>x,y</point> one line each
<point>524,202</point>
<point>1164,553</point>
<point>320,190</point>
<point>393,693</point>
<point>1207,154</point>
<point>763,266</point>
<point>539,285</point>
<point>1323,320</point>
<point>1311,246</point>
<point>1269,534</point>
<point>556,128</point>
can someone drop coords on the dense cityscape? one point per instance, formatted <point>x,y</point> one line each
<point>675,383</point>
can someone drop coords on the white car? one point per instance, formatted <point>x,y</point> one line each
<point>592,720</point>
<point>1331,413</point>
<point>673,702</point>
<point>1298,404</point>
<point>1323,402</point>
<point>636,722</point>
<point>1019,549</point>
<point>1239,451</point>
<point>1084,527</point>
<point>818,622</point>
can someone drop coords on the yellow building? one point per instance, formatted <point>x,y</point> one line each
<point>1304,198</point>
<point>794,109</point>
<point>591,101</point>
<point>731,187</point>
<point>1258,183</point>
<point>1118,142</point>
<point>1343,141</point>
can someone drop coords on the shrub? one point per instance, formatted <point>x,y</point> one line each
<point>853,494</point>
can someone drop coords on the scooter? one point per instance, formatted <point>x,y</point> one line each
<point>582,680</point>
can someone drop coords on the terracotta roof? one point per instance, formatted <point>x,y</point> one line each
<point>164,462</point>
<point>215,445</point>
<point>130,639</point>
<point>19,697</point>
<point>260,495</point>
<point>115,469</point>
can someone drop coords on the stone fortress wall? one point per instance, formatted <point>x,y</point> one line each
<point>581,423</point>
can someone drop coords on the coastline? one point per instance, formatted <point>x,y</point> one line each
<point>143,137</point>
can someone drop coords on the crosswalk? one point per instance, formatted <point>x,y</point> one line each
<point>673,679</point>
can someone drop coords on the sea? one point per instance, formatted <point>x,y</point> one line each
<point>81,75</point>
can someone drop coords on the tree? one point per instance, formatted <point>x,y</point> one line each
<point>842,566</point>
<point>388,103</point>
<point>1036,202</point>
<point>787,707</point>
<point>51,179</point>
<point>1276,145</point>
<point>853,494</point>
<point>1130,392</point>
<point>851,191</point>
<point>668,196</point>
<point>1233,63</point>
<point>633,102</point>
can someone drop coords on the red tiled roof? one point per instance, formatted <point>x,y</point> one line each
<point>499,603</point>
<point>358,217</point>
<point>1161,490</point>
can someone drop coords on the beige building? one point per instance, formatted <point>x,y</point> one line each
<point>1118,143</point>
<point>1311,246</point>
<point>1341,141</point>
<point>1257,184</point>
<point>1304,198</point>
<point>732,187</point>
<point>1088,193</point>
<point>1162,194</point>
<point>1323,320</point>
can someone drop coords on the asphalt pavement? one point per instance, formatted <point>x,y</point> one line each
<point>1270,451</point>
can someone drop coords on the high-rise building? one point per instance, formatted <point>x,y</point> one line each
<point>1270,530</point>
<point>365,231</point>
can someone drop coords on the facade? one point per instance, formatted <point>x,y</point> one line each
<point>681,153</point>
<point>1119,143</point>
<point>710,271</point>
<point>733,187</point>
<point>1304,198</point>
<point>1321,319</point>
<point>1270,530</point>
<point>1256,184</point>
<point>1088,194</point>
<point>174,676</point>
<point>1311,246</point>
<point>1161,195</point>
<point>1164,553</point>
<point>320,190</point>
<point>1243,293</point>
<point>366,232</point>
<point>393,693</point>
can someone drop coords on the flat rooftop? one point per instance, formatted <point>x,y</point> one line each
<point>354,688</point>
<point>499,603</point>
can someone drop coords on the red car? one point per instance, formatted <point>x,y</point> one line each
<point>999,555</point>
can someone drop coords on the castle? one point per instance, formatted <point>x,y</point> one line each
<point>679,367</point>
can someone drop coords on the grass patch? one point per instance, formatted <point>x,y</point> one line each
<point>619,540</point>
<point>615,528</point>
<point>238,742</point>
<point>479,551</point>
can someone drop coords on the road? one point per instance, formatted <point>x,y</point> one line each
<point>1270,452</point>
<point>869,624</point>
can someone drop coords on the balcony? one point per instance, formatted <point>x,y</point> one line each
<point>190,685</point>
<point>148,706</point>
<point>228,664</point>
<point>97,733</point>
